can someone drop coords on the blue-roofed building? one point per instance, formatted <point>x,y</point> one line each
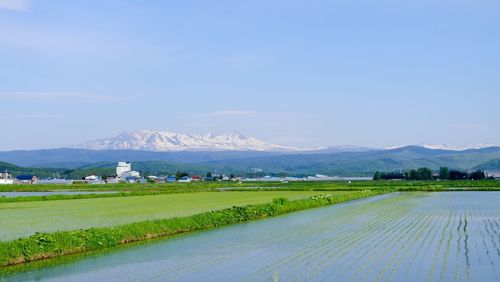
<point>26,179</point>
<point>171,178</point>
<point>185,179</point>
<point>131,179</point>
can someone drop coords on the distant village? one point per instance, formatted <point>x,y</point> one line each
<point>125,174</point>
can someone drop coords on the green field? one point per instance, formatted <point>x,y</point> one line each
<point>21,219</point>
<point>56,225</point>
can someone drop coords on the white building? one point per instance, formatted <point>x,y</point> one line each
<point>128,174</point>
<point>124,171</point>
<point>123,167</point>
<point>185,179</point>
<point>6,178</point>
<point>91,177</point>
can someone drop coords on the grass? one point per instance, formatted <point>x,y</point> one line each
<point>46,245</point>
<point>21,219</point>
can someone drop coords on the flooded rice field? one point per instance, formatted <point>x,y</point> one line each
<point>445,236</point>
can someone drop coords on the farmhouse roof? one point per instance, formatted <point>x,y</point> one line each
<point>25,177</point>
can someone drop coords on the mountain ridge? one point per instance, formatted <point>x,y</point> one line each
<point>167,141</point>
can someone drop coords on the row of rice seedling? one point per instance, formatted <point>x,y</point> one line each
<point>378,234</point>
<point>423,233</point>
<point>424,246</point>
<point>427,234</point>
<point>391,243</point>
<point>398,257</point>
<point>367,241</point>
<point>341,240</point>
<point>362,240</point>
<point>298,232</point>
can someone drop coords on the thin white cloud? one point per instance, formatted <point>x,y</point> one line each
<point>233,113</point>
<point>64,96</point>
<point>228,113</point>
<point>15,5</point>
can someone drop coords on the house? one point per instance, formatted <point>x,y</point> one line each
<point>26,179</point>
<point>154,179</point>
<point>185,179</point>
<point>6,178</point>
<point>91,178</point>
<point>196,178</point>
<point>171,178</point>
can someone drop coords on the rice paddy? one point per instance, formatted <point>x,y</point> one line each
<point>21,219</point>
<point>442,236</point>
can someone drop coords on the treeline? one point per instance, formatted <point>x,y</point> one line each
<point>425,173</point>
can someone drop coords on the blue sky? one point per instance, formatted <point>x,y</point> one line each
<point>302,73</point>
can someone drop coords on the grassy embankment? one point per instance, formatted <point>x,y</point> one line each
<point>47,245</point>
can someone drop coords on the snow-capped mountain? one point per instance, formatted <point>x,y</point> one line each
<point>154,140</point>
<point>446,147</point>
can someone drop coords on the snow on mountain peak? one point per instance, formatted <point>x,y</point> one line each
<point>155,140</point>
<point>445,147</point>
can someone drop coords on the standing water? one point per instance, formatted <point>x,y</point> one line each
<point>399,237</point>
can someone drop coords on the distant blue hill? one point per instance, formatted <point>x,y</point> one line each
<point>351,163</point>
<point>74,158</point>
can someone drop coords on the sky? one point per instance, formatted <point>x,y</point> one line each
<point>298,73</point>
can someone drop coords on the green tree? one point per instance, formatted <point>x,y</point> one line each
<point>477,175</point>
<point>444,173</point>
<point>424,173</point>
<point>413,175</point>
<point>377,175</point>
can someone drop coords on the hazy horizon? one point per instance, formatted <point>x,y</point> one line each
<point>315,74</point>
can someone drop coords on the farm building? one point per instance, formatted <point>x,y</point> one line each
<point>185,179</point>
<point>26,179</point>
<point>124,171</point>
<point>123,167</point>
<point>6,178</point>
<point>92,177</point>
<point>196,178</point>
